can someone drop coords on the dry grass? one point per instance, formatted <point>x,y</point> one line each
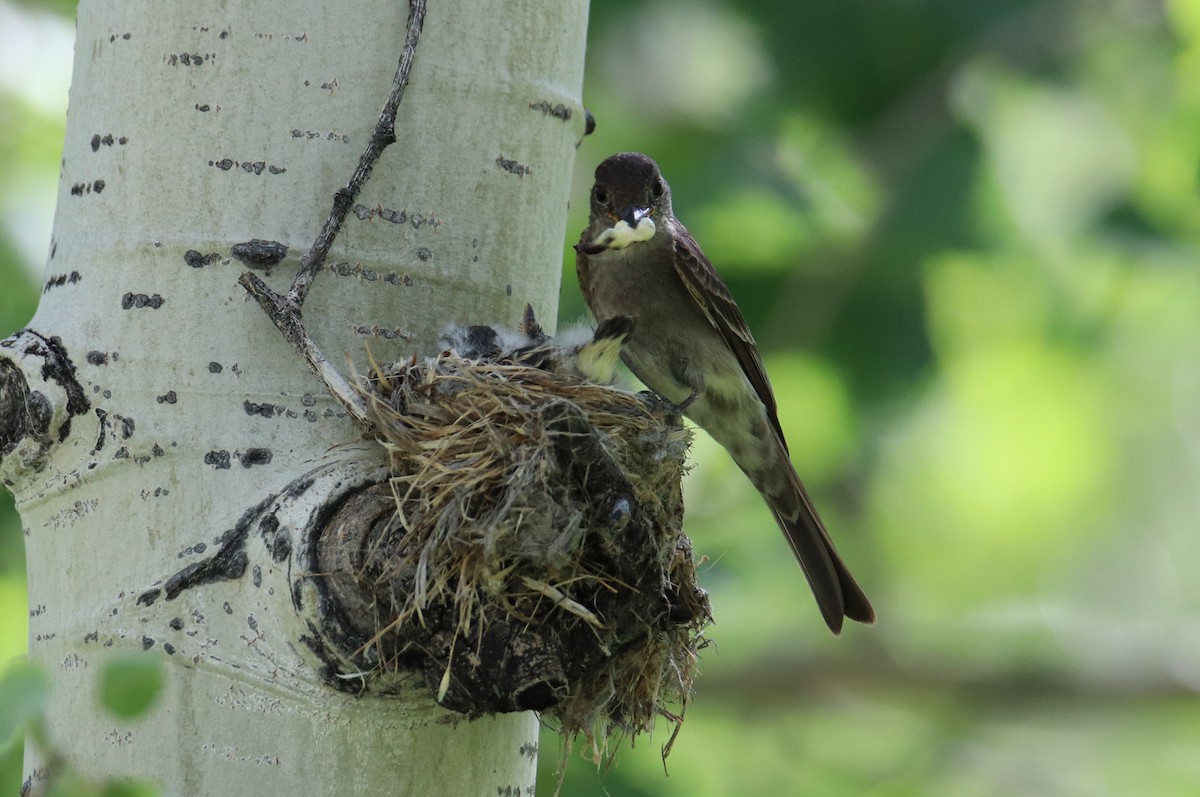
<point>536,558</point>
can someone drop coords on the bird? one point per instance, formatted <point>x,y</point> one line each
<point>582,353</point>
<point>690,344</point>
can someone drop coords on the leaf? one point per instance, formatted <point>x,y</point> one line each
<point>129,686</point>
<point>23,690</point>
<point>131,788</point>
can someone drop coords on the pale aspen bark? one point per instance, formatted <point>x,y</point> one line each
<point>167,448</point>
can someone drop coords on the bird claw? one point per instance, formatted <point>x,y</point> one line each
<point>657,404</point>
<point>682,406</point>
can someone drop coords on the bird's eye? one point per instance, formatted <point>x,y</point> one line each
<point>600,195</point>
<point>658,187</point>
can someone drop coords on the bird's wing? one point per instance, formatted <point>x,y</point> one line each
<point>716,302</point>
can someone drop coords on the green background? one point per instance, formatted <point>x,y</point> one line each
<point>965,235</point>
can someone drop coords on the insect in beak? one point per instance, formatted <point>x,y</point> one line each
<point>633,215</point>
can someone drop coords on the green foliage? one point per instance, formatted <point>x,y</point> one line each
<point>12,757</point>
<point>130,685</point>
<point>23,691</point>
<point>965,235</point>
<point>72,785</point>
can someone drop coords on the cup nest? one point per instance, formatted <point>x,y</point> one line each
<point>527,551</point>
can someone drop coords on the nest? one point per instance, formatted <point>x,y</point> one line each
<point>527,552</point>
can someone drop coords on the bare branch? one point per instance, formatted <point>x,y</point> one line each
<point>286,317</point>
<point>284,310</point>
<point>384,135</point>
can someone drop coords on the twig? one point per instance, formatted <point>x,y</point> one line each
<point>286,318</point>
<point>284,310</point>
<point>384,135</point>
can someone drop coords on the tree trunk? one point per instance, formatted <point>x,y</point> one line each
<point>164,443</point>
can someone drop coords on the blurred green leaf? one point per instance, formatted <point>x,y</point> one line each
<point>12,757</point>
<point>70,784</point>
<point>23,692</point>
<point>691,61</point>
<point>131,788</point>
<point>1057,158</point>
<point>64,8</point>
<point>752,228</point>
<point>129,685</point>
<point>13,622</point>
<point>815,412</point>
<point>840,194</point>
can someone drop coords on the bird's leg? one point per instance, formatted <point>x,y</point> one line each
<point>682,406</point>
<point>685,374</point>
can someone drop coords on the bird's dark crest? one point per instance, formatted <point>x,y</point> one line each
<point>627,176</point>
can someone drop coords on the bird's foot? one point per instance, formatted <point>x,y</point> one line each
<point>665,406</point>
<point>656,403</point>
<point>682,406</point>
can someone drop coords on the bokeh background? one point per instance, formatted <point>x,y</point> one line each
<point>965,233</point>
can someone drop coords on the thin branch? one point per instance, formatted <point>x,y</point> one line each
<point>286,317</point>
<point>383,136</point>
<point>284,310</point>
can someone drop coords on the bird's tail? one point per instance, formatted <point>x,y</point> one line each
<point>838,594</point>
<point>753,437</point>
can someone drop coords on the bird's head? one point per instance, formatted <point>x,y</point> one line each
<point>629,194</point>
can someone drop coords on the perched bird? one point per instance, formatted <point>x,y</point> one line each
<point>690,344</point>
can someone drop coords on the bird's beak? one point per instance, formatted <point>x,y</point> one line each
<point>633,225</point>
<point>633,215</point>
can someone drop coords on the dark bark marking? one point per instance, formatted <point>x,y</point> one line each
<point>148,597</point>
<point>256,456</point>
<point>257,253</point>
<point>131,301</point>
<point>512,167</point>
<point>103,434</point>
<point>107,140</point>
<point>26,412</point>
<point>59,280</point>
<point>249,167</point>
<point>218,459</point>
<point>197,260</point>
<point>228,563</point>
<point>83,189</point>
<point>265,410</point>
<point>559,111</point>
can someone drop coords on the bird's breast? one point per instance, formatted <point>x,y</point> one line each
<point>634,281</point>
<point>674,348</point>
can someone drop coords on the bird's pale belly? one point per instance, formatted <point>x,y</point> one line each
<point>726,407</point>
